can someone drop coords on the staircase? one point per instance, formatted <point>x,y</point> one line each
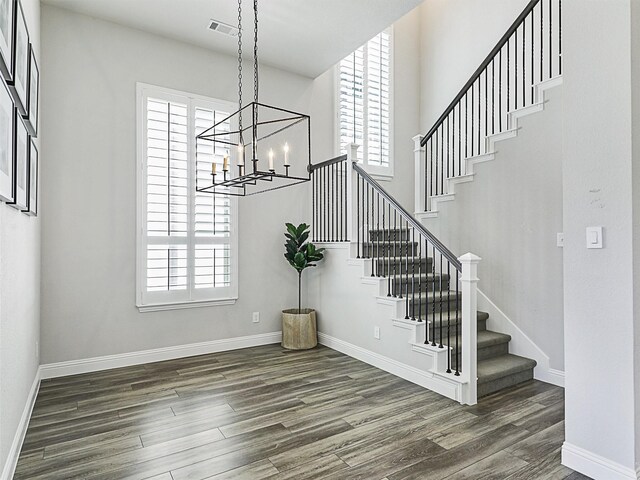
<point>497,368</point>
<point>430,292</point>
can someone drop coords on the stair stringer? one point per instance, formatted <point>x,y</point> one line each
<point>471,163</point>
<point>418,363</point>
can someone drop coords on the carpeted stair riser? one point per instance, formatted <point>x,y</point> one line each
<point>389,235</point>
<point>504,382</point>
<point>416,284</point>
<point>395,249</point>
<point>399,265</point>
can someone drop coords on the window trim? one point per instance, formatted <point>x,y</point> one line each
<point>143,90</point>
<point>377,172</point>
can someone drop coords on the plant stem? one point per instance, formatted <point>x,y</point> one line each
<point>299,292</point>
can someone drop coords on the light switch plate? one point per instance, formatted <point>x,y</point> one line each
<point>376,332</point>
<point>594,237</point>
<point>560,239</point>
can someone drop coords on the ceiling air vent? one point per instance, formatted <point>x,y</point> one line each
<point>223,28</point>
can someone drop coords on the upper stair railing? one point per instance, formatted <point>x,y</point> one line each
<point>419,271</point>
<point>530,52</point>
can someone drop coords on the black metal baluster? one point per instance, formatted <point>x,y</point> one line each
<point>363,235</point>
<point>541,40</point>
<point>357,215</point>
<point>457,324</point>
<point>442,160</point>
<point>429,191</point>
<point>368,234</point>
<point>400,258</point>
<point>479,113</point>
<point>413,273</point>
<point>419,277</point>
<point>436,162</point>
<point>473,88</point>
<point>395,253</point>
<point>377,207</point>
<point>559,37</point>
<point>448,320</point>
<point>532,55</point>
<point>347,212</point>
<point>550,41</point>
<point>508,80</point>
<point>460,138</point>
<point>493,96</point>
<point>466,124</point>
<point>384,242</point>
<point>447,156</point>
<point>389,251</point>
<point>341,170</point>
<point>313,206</point>
<point>486,107</point>
<point>524,63</point>
<point>441,324</point>
<point>406,284</point>
<point>433,296</point>
<point>515,66</point>
<point>325,206</point>
<point>500,92</point>
<point>331,201</point>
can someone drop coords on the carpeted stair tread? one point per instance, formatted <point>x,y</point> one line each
<point>502,366</point>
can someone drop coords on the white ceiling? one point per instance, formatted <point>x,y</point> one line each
<point>301,36</point>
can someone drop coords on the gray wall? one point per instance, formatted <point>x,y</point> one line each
<point>19,293</point>
<point>90,70</point>
<point>510,214</point>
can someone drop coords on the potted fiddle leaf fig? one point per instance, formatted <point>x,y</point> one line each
<point>299,329</point>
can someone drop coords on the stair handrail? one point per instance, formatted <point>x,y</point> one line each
<point>448,254</point>
<point>485,63</point>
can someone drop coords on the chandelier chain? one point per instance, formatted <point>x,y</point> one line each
<point>255,51</point>
<point>240,65</point>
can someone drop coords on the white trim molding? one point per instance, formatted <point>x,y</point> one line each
<point>95,364</point>
<point>191,304</point>
<point>428,379</point>
<point>594,465</point>
<point>520,343</point>
<point>18,439</point>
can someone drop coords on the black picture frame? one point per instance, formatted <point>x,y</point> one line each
<point>20,164</point>
<point>7,134</point>
<point>7,26</point>
<point>19,83</point>
<point>33,97</point>
<point>32,194</point>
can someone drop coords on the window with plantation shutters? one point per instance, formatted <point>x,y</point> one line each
<point>187,253</point>
<point>364,96</point>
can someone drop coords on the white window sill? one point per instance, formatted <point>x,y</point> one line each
<point>381,177</point>
<point>158,307</point>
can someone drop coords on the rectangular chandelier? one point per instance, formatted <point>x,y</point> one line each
<point>263,148</point>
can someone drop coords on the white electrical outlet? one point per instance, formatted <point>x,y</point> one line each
<point>256,317</point>
<point>376,332</point>
<point>560,240</point>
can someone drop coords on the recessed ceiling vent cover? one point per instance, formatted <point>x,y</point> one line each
<point>223,28</point>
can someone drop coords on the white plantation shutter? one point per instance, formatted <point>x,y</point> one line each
<point>187,239</point>
<point>364,102</point>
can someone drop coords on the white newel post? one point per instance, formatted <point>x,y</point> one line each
<point>420,165</point>
<point>469,285</point>
<point>352,157</point>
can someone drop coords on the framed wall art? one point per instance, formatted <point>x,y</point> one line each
<point>19,83</point>
<point>20,164</point>
<point>31,119</point>
<point>32,209</point>
<point>6,37</point>
<point>7,133</point>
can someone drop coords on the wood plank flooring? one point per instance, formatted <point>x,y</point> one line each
<point>268,413</point>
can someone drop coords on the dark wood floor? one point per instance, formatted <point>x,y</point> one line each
<point>269,413</point>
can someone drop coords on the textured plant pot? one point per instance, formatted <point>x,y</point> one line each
<point>299,330</point>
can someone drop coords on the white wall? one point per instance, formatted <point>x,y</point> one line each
<point>19,293</point>
<point>635,97</point>
<point>599,284</point>
<point>509,216</point>
<point>456,36</point>
<point>90,71</point>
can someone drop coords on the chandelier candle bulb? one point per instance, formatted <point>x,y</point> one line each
<point>225,164</point>
<point>240,155</point>
<point>271,155</point>
<point>213,168</point>
<point>286,155</point>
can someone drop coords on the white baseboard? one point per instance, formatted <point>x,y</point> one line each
<point>595,466</point>
<point>520,343</point>
<point>436,383</point>
<point>18,438</point>
<point>74,367</point>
